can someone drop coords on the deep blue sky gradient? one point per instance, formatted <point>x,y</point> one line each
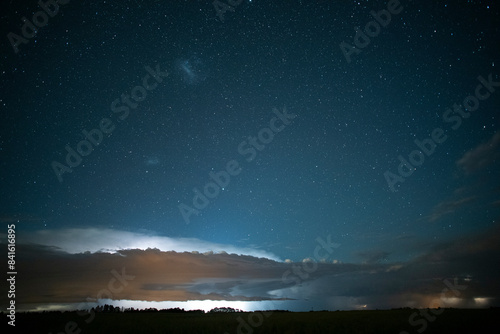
<point>322,175</point>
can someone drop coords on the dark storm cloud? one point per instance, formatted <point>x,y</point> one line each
<point>469,265</point>
<point>416,283</point>
<point>481,156</point>
<point>52,276</point>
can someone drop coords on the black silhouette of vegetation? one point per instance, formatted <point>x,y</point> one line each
<point>111,319</point>
<point>224,310</point>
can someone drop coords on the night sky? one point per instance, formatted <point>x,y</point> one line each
<point>209,150</point>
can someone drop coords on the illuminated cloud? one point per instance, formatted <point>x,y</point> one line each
<point>79,240</point>
<point>52,276</point>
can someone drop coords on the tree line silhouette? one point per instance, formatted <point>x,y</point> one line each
<point>106,308</point>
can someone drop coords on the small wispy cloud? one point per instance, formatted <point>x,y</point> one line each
<point>481,156</point>
<point>450,206</point>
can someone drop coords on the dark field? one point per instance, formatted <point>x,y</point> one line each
<point>390,321</point>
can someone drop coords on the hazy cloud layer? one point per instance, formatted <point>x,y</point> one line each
<point>450,206</point>
<point>481,156</point>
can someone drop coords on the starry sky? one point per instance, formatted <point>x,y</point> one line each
<point>209,149</point>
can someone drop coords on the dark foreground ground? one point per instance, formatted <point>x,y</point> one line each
<point>386,322</point>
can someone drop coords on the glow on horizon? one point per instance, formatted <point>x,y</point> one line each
<point>205,305</point>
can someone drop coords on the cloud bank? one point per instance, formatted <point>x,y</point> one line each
<point>463,273</point>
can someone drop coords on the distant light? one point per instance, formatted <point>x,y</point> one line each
<point>481,301</point>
